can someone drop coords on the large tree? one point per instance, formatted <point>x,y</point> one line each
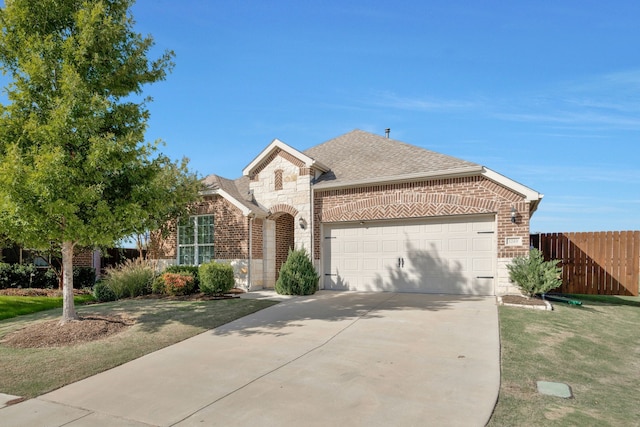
<point>75,169</point>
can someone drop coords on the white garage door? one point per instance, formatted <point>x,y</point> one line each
<point>452,255</point>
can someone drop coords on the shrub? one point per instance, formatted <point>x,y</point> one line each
<point>103,293</point>
<point>178,283</point>
<point>157,287</point>
<point>46,279</point>
<point>216,278</point>
<point>533,275</point>
<point>130,279</point>
<point>297,275</point>
<point>84,277</point>
<point>25,276</point>
<point>191,269</point>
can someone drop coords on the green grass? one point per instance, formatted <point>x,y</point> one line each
<point>595,349</point>
<point>159,323</point>
<point>17,306</point>
<point>607,299</point>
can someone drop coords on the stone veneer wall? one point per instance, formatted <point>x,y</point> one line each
<point>431,198</point>
<point>293,198</point>
<point>282,184</point>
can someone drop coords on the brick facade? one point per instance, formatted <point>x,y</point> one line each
<point>432,198</point>
<point>284,239</point>
<point>230,230</point>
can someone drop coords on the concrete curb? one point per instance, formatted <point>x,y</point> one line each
<point>546,307</point>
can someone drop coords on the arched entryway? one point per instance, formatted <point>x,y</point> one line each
<point>284,239</point>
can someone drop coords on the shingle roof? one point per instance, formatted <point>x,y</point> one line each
<point>359,156</point>
<point>238,189</point>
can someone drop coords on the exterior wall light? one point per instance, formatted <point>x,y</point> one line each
<point>303,223</point>
<point>514,214</point>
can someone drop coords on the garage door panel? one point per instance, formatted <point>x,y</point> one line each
<point>441,256</point>
<point>391,246</point>
<point>481,244</point>
<point>370,246</point>
<point>458,245</point>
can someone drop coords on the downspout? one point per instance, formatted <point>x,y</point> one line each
<point>311,217</point>
<point>251,217</point>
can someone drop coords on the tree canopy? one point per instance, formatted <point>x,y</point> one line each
<point>74,165</point>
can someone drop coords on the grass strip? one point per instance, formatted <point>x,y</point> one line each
<point>11,306</point>
<point>159,323</point>
<point>593,348</point>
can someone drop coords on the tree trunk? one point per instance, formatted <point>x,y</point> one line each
<point>68,307</point>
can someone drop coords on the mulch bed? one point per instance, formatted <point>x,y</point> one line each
<point>52,334</point>
<point>33,292</point>
<point>88,328</point>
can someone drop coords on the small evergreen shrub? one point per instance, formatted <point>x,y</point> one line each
<point>103,293</point>
<point>533,275</point>
<point>178,283</point>
<point>130,279</point>
<point>297,275</point>
<point>216,278</point>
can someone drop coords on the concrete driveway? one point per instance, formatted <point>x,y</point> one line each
<point>334,358</point>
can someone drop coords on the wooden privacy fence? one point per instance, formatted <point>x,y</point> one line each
<point>606,263</point>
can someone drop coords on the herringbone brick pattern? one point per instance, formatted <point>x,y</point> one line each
<point>435,198</point>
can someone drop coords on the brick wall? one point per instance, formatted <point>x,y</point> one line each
<point>231,232</point>
<point>83,258</point>
<point>284,239</point>
<point>438,197</point>
<point>257,235</point>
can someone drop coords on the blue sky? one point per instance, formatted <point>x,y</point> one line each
<point>544,92</point>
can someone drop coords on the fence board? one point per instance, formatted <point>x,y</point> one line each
<point>606,263</point>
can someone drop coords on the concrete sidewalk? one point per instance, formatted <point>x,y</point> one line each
<point>353,359</point>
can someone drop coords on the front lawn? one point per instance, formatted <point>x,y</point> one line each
<point>33,371</point>
<point>594,349</point>
<point>11,306</point>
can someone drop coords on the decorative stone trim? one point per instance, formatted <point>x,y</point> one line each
<point>277,152</point>
<point>277,179</point>
<point>282,208</point>
<point>299,163</point>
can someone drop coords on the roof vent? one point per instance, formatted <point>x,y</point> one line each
<point>387,131</point>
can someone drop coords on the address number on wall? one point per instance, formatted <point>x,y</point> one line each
<point>513,241</point>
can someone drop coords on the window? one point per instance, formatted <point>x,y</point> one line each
<point>195,240</point>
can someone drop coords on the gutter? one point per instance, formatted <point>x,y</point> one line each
<point>451,173</point>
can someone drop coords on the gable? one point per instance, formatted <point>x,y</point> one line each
<point>278,148</point>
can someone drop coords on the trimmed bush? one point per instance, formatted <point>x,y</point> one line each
<point>216,278</point>
<point>178,283</point>
<point>130,279</point>
<point>191,269</point>
<point>533,275</point>
<point>297,275</point>
<point>103,293</point>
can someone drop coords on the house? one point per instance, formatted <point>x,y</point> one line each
<point>375,214</point>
